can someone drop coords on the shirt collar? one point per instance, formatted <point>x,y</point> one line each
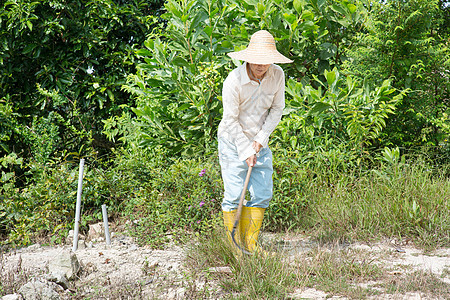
<point>244,76</point>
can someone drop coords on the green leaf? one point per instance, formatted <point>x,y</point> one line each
<point>339,9</point>
<point>327,50</point>
<point>331,76</point>
<point>261,9</point>
<point>298,6</point>
<point>149,43</point>
<point>293,141</point>
<point>290,18</point>
<point>174,8</point>
<point>182,134</point>
<point>144,52</point>
<point>28,48</point>
<point>180,62</point>
<point>352,8</point>
<point>208,30</point>
<point>318,108</point>
<point>30,25</point>
<point>198,21</point>
<point>110,94</point>
<point>184,106</point>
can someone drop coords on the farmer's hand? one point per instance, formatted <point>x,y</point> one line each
<point>251,161</point>
<point>256,146</point>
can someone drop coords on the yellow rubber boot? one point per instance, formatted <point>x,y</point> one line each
<point>250,226</point>
<point>228,221</point>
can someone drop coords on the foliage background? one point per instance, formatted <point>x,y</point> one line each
<point>135,88</point>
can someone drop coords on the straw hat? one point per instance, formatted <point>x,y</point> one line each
<point>261,50</point>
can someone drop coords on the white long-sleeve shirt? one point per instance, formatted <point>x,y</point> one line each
<point>251,110</point>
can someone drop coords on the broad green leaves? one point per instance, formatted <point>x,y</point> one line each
<point>400,40</point>
<point>64,62</point>
<point>348,115</point>
<point>178,85</point>
<point>317,34</point>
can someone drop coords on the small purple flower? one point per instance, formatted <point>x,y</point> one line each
<point>198,222</point>
<point>202,172</point>
<point>202,203</point>
<point>190,206</point>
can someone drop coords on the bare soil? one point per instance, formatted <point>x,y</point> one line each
<point>124,270</point>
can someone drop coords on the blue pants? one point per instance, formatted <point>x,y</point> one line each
<point>234,172</point>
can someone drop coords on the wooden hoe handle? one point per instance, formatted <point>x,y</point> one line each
<point>239,210</point>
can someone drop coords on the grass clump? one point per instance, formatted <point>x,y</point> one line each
<point>417,281</point>
<point>338,272</point>
<point>347,272</point>
<point>405,201</point>
<point>251,277</point>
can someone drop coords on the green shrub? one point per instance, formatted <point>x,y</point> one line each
<point>182,197</point>
<point>45,205</point>
<point>163,198</point>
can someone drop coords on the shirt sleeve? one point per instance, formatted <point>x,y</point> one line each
<point>230,101</point>
<point>275,113</point>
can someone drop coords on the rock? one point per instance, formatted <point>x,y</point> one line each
<point>171,294</point>
<point>12,297</point>
<point>98,240</point>
<point>40,289</point>
<point>59,278</point>
<point>66,263</point>
<point>69,238</point>
<point>81,244</point>
<point>95,231</point>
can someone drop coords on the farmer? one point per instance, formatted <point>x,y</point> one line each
<point>253,102</point>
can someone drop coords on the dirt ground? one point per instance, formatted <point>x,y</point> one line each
<point>124,270</point>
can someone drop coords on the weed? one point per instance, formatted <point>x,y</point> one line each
<point>252,277</point>
<point>445,273</point>
<point>349,272</point>
<point>12,278</point>
<point>121,290</point>
<point>417,281</point>
<point>404,202</point>
<point>338,271</point>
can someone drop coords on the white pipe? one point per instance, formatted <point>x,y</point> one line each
<point>105,224</point>
<point>78,208</point>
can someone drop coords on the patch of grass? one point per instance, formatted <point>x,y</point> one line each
<point>349,272</point>
<point>262,274</point>
<point>406,202</point>
<point>417,281</point>
<point>338,271</point>
<point>258,276</point>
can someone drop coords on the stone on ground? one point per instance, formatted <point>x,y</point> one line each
<point>66,263</point>
<point>12,297</point>
<point>40,289</point>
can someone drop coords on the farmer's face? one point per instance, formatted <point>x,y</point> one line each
<point>259,70</point>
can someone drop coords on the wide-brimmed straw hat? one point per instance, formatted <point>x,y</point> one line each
<point>261,50</point>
